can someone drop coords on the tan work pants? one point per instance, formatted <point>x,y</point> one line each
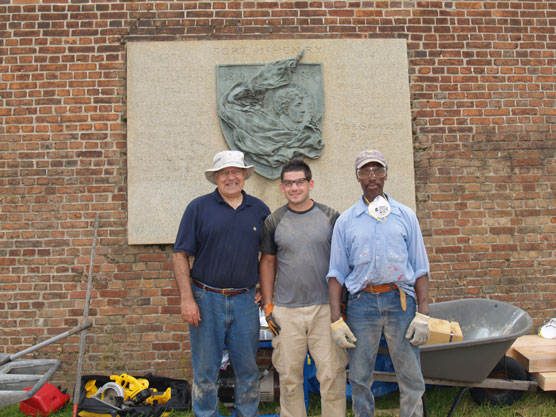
<point>308,328</point>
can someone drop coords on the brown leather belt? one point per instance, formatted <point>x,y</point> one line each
<point>379,289</point>
<point>223,291</point>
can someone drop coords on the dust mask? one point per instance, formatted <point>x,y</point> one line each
<point>379,208</point>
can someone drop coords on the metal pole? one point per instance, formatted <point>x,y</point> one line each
<point>77,388</point>
<point>47,342</point>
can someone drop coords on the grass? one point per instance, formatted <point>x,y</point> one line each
<point>438,400</point>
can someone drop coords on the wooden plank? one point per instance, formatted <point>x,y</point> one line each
<point>529,340</point>
<point>533,340</point>
<point>537,358</point>
<point>546,380</point>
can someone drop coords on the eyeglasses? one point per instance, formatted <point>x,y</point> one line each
<point>298,182</point>
<point>366,173</point>
<point>235,172</point>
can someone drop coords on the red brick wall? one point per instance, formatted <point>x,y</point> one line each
<point>484,128</point>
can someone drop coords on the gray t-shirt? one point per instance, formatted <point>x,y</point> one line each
<point>301,241</point>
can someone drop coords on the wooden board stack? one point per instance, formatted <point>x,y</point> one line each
<point>538,356</point>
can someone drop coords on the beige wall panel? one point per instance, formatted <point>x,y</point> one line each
<point>174,130</point>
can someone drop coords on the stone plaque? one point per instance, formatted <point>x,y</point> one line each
<point>174,128</point>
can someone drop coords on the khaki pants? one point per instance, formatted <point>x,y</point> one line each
<point>308,328</point>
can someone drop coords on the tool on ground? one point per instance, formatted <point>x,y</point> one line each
<point>111,393</point>
<point>126,390</point>
<point>136,389</point>
<point>77,387</point>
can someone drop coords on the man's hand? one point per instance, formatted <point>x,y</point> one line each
<point>190,312</point>
<point>272,325</point>
<point>258,297</point>
<point>342,335</point>
<point>418,331</point>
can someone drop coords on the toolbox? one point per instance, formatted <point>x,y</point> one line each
<point>180,398</point>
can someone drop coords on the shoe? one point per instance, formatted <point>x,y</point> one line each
<point>548,331</point>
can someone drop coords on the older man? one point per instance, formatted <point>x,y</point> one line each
<point>222,231</point>
<point>378,253</point>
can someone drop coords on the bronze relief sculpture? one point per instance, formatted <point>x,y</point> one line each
<point>272,112</point>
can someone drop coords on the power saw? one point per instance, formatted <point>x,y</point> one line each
<point>127,390</point>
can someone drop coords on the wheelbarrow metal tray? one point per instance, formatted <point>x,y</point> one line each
<point>489,329</point>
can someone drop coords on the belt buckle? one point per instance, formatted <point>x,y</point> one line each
<point>227,292</point>
<point>371,289</point>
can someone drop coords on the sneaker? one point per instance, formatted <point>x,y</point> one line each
<point>548,331</point>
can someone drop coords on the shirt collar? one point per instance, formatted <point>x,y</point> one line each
<point>246,201</point>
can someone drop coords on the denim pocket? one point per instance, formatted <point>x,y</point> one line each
<point>354,297</point>
<point>198,293</point>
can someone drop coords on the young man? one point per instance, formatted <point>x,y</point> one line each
<point>296,243</point>
<point>379,254</point>
<point>222,230</point>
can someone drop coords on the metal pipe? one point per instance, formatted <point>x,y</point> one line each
<point>47,342</point>
<point>77,388</point>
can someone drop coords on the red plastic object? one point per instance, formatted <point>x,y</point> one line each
<point>46,401</point>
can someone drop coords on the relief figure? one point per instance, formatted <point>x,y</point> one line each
<point>271,118</point>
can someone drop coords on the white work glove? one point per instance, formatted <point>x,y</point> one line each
<point>342,335</point>
<point>418,331</point>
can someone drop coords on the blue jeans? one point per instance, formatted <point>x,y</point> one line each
<point>368,315</point>
<point>232,321</point>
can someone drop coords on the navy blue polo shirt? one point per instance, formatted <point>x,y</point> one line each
<point>225,242</point>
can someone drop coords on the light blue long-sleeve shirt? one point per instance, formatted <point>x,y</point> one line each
<point>366,251</point>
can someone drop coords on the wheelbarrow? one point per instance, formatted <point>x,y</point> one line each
<point>477,362</point>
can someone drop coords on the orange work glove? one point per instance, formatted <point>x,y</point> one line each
<point>272,325</point>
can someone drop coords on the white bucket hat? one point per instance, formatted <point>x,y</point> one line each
<point>227,159</point>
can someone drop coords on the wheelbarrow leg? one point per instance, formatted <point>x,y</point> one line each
<point>457,400</point>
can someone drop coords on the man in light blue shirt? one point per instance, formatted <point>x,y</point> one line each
<point>378,253</point>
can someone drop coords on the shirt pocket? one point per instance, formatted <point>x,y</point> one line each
<point>396,249</point>
<point>363,256</point>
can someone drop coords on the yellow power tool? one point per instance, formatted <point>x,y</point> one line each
<point>129,390</point>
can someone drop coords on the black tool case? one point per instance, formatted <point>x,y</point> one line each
<point>180,399</point>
